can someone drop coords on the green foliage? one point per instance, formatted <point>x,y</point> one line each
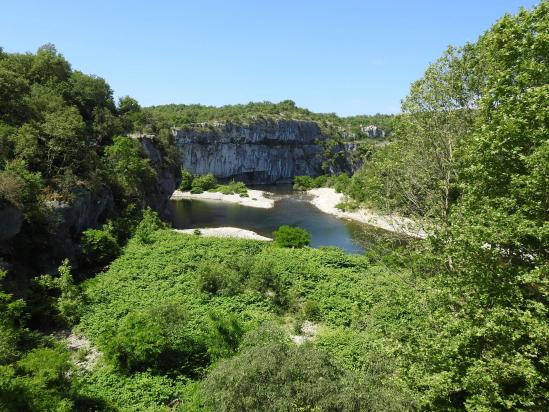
<point>203,183</point>
<point>186,180</point>
<point>169,269</point>
<point>100,246</point>
<point>12,321</point>
<point>196,115</point>
<point>37,382</point>
<point>278,377</point>
<point>303,183</point>
<point>218,279</point>
<point>21,187</point>
<point>225,335</point>
<point>233,188</point>
<point>67,297</point>
<point>129,170</point>
<point>492,260</point>
<point>150,223</point>
<point>311,310</point>
<point>156,338</point>
<point>293,237</point>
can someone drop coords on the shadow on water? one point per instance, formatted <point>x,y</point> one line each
<point>289,209</point>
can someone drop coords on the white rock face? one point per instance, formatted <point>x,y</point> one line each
<point>265,151</point>
<point>372,131</point>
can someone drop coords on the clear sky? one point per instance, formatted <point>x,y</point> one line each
<point>344,56</point>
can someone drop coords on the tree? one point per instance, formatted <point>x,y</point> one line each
<point>129,168</point>
<point>490,317</point>
<point>100,245</point>
<point>293,237</point>
<point>418,174</point>
<point>278,377</point>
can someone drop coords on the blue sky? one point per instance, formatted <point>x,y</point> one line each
<point>345,56</point>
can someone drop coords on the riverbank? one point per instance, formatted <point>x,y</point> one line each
<point>326,200</point>
<point>234,232</point>
<point>256,198</point>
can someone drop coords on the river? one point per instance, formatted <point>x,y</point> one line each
<point>291,208</point>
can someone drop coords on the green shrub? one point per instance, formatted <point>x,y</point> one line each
<point>218,279</point>
<point>186,180</point>
<point>339,182</point>
<point>321,181</point>
<point>203,183</point>
<point>149,224</point>
<point>100,245</point>
<point>303,183</point>
<point>37,382</point>
<point>347,206</point>
<point>156,338</point>
<point>311,310</point>
<point>264,278</point>
<point>293,237</point>
<point>279,377</point>
<point>232,188</point>
<point>62,294</point>
<point>225,334</point>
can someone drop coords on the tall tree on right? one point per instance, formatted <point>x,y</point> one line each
<point>489,348</point>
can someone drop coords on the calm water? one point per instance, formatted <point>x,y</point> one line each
<point>290,209</point>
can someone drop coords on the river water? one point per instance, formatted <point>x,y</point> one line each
<point>291,208</point>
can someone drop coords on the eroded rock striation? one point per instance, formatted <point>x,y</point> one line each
<point>262,152</point>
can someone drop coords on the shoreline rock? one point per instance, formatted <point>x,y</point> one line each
<point>256,198</point>
<point>233,232</point>
<point>326,200</point>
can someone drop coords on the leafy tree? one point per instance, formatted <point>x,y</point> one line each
<point>100,246</point>
<point>491,339</point>
<point>293,237</point>
<point>203,183</point>
<point>149,224</point>
<point>278,377</point>
<point>65,145</point>
<point>418,174</point>
<point>130,170</point>
<point>156,338</point>
<point>67,300</point>
<point>303,183</point>
<point>186,180</point>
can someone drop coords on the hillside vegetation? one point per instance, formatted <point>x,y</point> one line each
<point>181,115</point>
<point>166,321</point>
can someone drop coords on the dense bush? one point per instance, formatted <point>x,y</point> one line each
<point>303,183</point>
<point>232,188</point>
<point>279,377</point>
<point>156,338</point>
<point>203,183</point>
<point>287,236</point>
<point>150,223</point>
<point>186,180</point>
<point>218,279</point>
<point>100,245</point>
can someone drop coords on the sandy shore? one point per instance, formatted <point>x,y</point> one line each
<point>256,198</point>
<point>326,200</point>
<point>225,232</point>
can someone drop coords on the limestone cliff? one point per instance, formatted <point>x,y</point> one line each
<point>262,152</point>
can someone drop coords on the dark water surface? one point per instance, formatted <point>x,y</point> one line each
<point>290,209</point>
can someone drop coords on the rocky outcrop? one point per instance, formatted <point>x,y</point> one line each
<point>56,233</point>
<point>11,220</point>
<point>372,131</point>
<point>67,220</point>
<point>262,152</point>
<point>167,176</point>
